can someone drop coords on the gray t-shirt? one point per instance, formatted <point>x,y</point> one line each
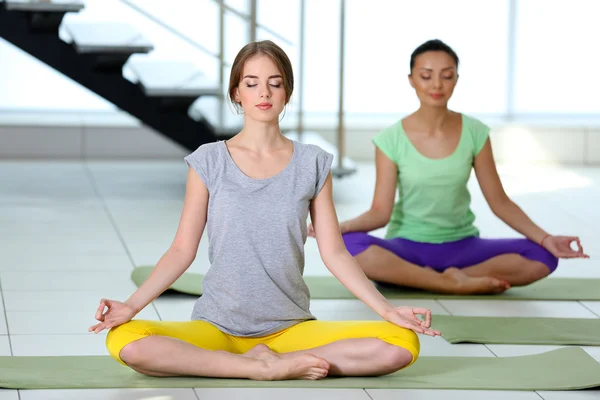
<point>257,231</point>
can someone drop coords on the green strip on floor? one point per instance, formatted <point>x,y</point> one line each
<point>519,330</point>
<point>328,287</point>
<point>563,369</point>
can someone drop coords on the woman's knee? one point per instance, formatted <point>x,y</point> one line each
<point>121,341</point>
<point>543,262</point>
<point>357,242</point>
<point>132,353</point>
<point>395,357</point>
<point>400,349</point>
<point>537,270</point>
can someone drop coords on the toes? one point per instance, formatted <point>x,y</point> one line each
<point>317,373</point>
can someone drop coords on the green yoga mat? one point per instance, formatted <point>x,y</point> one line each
<point>328,287</point>
<point>519,330</point>
<point>562,369</point>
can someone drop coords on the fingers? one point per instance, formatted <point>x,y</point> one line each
<point>571,255</point>
<point>417,329</point>
<point>427,322</point>
<point>580,247</point>
<point>413,326</point>
<point>425,331</point>
<point>577,240</point>
<point>423,311</point>
<point>100,312</point>
<point>98,327</point>
<point>102,326</point>
<point>432,332</point>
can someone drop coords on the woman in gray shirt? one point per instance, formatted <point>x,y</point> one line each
<point>253,194</point>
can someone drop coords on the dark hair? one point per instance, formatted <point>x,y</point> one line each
<point>432,45</point>
<point>269,49</point>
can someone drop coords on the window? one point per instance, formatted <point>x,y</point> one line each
<point>557,57</point>
<point>382,34</point>
<point>321,69</point>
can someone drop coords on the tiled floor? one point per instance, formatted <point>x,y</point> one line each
<point>72,232</point>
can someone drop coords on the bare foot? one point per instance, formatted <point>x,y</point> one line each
<point>462,283</point>
<point>301,366</point>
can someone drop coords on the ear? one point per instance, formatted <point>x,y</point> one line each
<point>236,96</point>
<point>410,80</point>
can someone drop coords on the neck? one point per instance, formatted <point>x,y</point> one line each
<point>258,135</point>
<point>433,118</point>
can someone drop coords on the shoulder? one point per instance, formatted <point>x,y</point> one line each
<point>206,161</point>
<point>474,125</point>
<point>207,150</point>
<point>315,165</point>
<point>389,140</point>
<point>394,130</point>
<point>312,152</point>
<point>208,154</point>
<point>477,131</point>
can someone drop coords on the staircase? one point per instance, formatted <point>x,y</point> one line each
<point>163,91</point>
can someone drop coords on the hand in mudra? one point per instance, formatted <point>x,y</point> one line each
<point>560,246</point>
<point>117,313</point>
<point>407,317</point>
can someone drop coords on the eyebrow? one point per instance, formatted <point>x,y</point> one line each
<point>256,77</point>
<point>443,69</point>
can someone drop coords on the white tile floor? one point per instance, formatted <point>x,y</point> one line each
<point>72,232</point>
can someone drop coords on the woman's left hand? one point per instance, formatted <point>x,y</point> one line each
<point>407,317</point>
<point>560,246</point>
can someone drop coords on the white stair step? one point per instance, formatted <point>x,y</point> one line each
<point>102,37</point>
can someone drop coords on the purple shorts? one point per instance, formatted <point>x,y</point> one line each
<point>461,253</point>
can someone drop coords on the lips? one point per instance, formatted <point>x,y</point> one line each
<point>436,95</point>
<point>264,106</point>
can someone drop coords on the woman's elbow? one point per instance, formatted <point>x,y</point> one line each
<point>381,216</point>
<point>500,205</point>
<point>186,254</point>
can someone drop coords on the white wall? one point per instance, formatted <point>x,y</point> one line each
<point>512,143</point>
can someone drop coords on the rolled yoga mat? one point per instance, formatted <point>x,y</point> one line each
<point>328,287</point>
<point>519,330</point>
<point>563,369</point>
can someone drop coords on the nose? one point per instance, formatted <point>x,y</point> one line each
<point>437,82</point>
<point>265,92</point>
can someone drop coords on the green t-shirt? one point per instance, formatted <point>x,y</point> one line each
<point>434,204</point>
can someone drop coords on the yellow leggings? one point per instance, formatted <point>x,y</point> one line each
<point>305,335</point>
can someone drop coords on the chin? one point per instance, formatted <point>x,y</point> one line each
<point>265,118</point>
<point>437,104</point>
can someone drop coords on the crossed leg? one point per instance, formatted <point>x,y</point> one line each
<point>470,266</point>
<point>309,350</point>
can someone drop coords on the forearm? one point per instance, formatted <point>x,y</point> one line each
<point>343,266</point>
<point>514,217</point>
<point>169,268</point>
<point>366,222</point>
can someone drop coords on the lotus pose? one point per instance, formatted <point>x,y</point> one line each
<point>253,193</point>
<point>431,241</point>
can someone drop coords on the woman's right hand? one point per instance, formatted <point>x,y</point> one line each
<point>117,313</point>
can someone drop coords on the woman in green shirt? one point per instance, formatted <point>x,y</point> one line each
<point>431,242</point>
